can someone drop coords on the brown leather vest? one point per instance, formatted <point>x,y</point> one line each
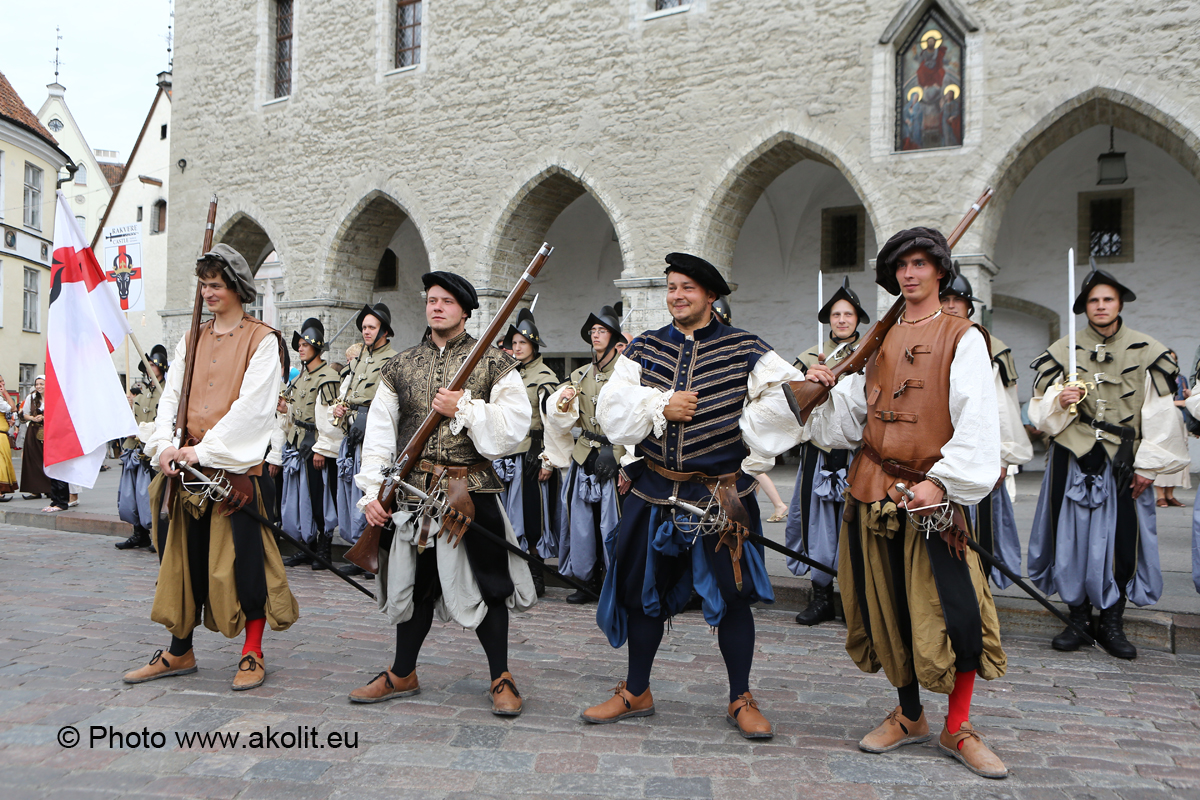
<point>221,363</point>
<point>908,402</point>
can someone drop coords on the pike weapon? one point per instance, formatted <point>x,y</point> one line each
<point>218,488</point>
<point>992,561</point>
<point>711,520</point>
<point>189,369</point>
<point>803,396</point>
<point>365,552</point>
<point>431,505</point>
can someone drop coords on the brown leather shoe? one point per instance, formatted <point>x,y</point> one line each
<point>897,730</point>
<point>621,705</point>
<point>968,747</point>
<point>163,666</point>
<point>744,715</point>
<point>252,671</point>
<point>506,700</point>
<point>386,686</point>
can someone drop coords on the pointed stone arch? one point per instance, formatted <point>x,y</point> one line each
<point>1095,106</point>
<point>247,235</point>
<point>912,11</point>
<point>717,223</point>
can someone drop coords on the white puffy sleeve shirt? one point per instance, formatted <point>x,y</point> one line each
<point>496,427</point>
<point>970,461</point>
<point>238,441</point>
<point>628,411</point>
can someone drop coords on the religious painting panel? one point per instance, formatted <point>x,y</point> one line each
<point>929,85</point>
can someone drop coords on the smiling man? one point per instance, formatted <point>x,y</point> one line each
<point>462,576</point>
<point>1094,539</point>
<point>703,403</point>
<point>918,606</point>
<point>225,569</point>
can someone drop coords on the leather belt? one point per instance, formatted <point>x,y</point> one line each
<point>596,439</point>
<point>358,406</point>
<point>689,477</point>
<point>452,472</point>
<point>1123,432</point>
<point>308,426</point>
<point>892,467</point>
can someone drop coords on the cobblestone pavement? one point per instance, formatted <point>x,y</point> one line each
<point>74,615</point>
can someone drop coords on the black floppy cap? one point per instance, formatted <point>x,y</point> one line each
<point>313,332</point>
<point>381,312</point>
<point>698,270</point>
<point>456,285</point>
<point>844,292</point>
<point>1096,278</point>
<point>928,239</point>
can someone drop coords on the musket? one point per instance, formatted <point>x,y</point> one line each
<point>218,488</point>
<point>189,369</point>
<point>365,552</point>
<point>991,561</point>
<point>803,396</point>
<point>705,516</point>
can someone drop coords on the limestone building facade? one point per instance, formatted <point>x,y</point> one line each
<point>365,143</point>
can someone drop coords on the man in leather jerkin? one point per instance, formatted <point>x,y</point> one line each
<point>590,505</point>
<point>1094,539</point>
<point>703,403</point>
<point>224,567</point>
<point>462,576</point>
<point>919,606</point>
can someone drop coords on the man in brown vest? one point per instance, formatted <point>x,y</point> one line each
<point>916,599</point>
<point>224,567</point>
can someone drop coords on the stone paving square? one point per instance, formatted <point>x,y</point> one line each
<point>74,616</point>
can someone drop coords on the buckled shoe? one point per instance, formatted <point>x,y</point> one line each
<point>896,730</point>
<point>744,715</point>
<point>163,665</point>
<point>621,705</point>
<point>967,746</point>
<point>386,686</point>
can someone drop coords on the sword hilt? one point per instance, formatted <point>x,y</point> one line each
<point>1073,382</point>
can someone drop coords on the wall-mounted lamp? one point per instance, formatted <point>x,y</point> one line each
<point>182,164</point>
<point>1111,165</point>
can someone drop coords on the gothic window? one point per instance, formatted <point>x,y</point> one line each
<point>385,276</point>
<point>408,32</point>
<point>283,48</point>
<point>663,5</point>
<point>929,85</point>
<point>843,239</point>
<point>1106,225</point>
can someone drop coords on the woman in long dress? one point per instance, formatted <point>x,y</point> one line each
<point>34,482</point>
<point>8,475</point>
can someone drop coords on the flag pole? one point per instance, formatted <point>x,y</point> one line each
<point>128,383</point>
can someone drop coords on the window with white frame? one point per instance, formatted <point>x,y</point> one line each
<point>33,196</point>
<point>283,48</point>
<point>25,378</point>
<point>409,16</point>
<point>29,321</point>
<point>81,175</point>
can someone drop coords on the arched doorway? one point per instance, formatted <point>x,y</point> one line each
<point>557,207</point>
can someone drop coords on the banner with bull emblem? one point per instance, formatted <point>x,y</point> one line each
<point>122,265</point>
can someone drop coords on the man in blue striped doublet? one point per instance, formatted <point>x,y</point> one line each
<point>703,403</point>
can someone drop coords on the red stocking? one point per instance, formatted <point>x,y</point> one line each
<point>254,632</point>
<point>960,700</point>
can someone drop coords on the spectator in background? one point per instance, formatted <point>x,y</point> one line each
<point>8,475</point>
<point>34,482</point>
<point>1165,485</point>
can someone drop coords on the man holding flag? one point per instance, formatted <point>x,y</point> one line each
<point>85,405</point>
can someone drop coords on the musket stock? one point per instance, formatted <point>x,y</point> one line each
<point>365,552</point>
<point>805,395</point>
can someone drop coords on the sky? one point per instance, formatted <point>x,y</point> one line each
<point>111,53</point>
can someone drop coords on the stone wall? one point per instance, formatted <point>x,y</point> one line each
<point>674,126</point>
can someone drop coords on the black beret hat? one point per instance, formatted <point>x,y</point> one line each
<point>928,239</point>
<point>456,285</point>
<point>698,270</point>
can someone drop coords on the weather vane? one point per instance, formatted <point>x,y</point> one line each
<point>57,61</point>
